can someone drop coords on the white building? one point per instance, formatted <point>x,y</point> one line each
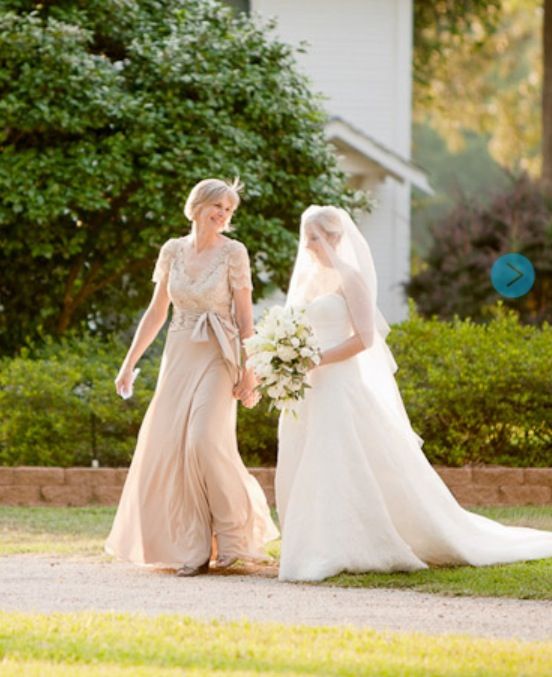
<point>359,56</point>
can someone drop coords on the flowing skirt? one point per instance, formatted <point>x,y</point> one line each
<point>187,480</point>
<point>355,492</point>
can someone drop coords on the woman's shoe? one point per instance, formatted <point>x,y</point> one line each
<point>225,562</point>
<point>185,571</point>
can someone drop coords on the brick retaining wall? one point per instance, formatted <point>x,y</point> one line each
<point>472,485</point>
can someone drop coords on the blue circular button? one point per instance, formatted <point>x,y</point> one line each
<point>512,275</point>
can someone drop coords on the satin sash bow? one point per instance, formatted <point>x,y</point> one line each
<point>225,333</point>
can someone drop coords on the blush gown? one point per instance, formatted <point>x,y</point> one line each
<point>354,490</point>
<point>187,479</point>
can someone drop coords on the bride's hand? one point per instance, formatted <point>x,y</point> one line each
<point>312,364</point>
<point>123,381</point>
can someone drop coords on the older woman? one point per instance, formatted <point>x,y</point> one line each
<point>187,481</point>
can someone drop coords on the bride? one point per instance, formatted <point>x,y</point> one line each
<point>354,490</point>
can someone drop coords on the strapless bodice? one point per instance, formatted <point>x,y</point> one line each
<point>330,320</point>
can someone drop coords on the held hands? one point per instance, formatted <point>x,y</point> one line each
<point>246,391</point>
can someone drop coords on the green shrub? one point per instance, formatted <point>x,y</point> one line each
<point>454,277</point>
<point>257,434</point>
<point>475,393</point>
<point>478,393</point>
<point>60,406</point>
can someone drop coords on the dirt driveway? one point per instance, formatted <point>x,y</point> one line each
<point>46,584</point>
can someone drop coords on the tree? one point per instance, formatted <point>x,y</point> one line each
<point>455,277</point>
<point>493,90</point>
<point>487,67</point>
<point>109,112</point>
<point>441,26</point>
<point>547,99</point>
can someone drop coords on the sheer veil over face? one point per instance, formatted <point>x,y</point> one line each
<point>334,257</point>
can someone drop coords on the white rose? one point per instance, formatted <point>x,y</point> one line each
<point>270,321</point>
<point>289,326</point>
<point>284,331</point>
<point>286,382</point>
<point>266,330</point>
<point>275,392</point>
<point>258,358</point>
<point>274,315</point>
<point>286,353</point>
<point>312,342</point>
<point>263,370</point>
<point>256,344</point>
<point>270,378</point>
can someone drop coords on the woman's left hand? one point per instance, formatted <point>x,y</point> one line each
<point>245,390</point>
<point>251,400</point>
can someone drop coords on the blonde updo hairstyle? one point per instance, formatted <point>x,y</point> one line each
<point>209,191</point>
<point>328,219</point>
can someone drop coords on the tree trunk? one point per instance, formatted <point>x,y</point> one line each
<point>72,301</point>
<point>547,99</point>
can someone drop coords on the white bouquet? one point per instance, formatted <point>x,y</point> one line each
<point>281,353</point>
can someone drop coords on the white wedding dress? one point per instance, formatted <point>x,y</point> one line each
<point>354,490</point>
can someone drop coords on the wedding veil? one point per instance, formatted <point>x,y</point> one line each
<point>344,265</point>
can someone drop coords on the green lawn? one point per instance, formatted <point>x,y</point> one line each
<point>536,516</point>
<point>524,580</point>
<point>70,645</point>
<point>82,531</point>
<point>54,531</point>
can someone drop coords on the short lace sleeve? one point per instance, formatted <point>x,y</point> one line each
<point>239,270</point>
<point>164,260</point>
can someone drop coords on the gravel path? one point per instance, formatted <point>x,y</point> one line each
<point>46,584</point>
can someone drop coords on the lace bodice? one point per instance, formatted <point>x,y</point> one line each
<point>209,287</point>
